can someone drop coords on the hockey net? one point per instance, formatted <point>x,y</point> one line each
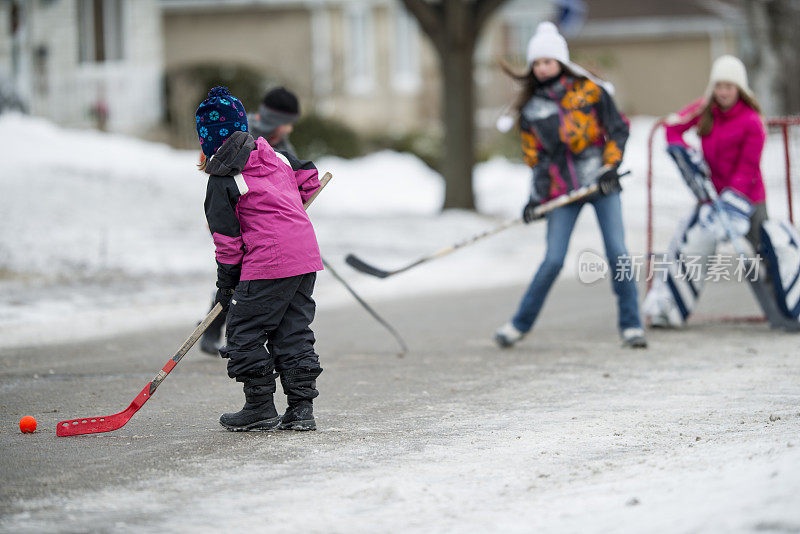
<point>669,200</point>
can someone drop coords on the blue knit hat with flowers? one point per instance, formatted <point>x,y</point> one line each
<point>217,117</point>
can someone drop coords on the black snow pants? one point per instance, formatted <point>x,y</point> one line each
<point>276,313</point>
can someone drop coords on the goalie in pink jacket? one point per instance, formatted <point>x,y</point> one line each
<point>267,258</point>
<point>732,137</point>
<point>731,134</point>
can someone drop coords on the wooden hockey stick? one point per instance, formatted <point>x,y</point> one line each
<point>568,198</point>
<point>322,183</point>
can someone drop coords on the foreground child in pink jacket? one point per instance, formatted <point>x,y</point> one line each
<point>267,258</point>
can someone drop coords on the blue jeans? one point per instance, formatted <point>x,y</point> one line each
<point>560,223</point>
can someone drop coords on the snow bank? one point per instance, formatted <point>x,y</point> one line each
<point>79,202</point>
<point>384,183</point>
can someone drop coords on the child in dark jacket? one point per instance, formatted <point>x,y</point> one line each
<point>267,258</point>
<point>275,119</point>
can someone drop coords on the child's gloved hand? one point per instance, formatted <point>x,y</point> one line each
<point>529,212</point>
<point>608,182</point>
<point>224,297</point>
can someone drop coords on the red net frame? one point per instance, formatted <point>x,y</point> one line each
<point>780,124</point>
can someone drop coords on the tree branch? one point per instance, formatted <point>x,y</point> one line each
<point>430,17</point>
<point>483,11</point>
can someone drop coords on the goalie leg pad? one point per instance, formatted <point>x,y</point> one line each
<point>678,276</point>
<point>780,244</point>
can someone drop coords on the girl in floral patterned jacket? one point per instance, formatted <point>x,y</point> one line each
<point>572,136</point>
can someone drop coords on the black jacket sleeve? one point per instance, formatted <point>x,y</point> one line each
<point>222,194</point>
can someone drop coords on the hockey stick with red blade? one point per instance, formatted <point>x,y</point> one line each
<point>573,196</point>
<point>95,425</point>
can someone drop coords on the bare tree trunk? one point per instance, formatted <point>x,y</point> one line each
<point>453,27</point>
<point>459,106</point>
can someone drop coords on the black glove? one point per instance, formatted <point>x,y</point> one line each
<point>224,297</point>
<point>529,212</point>
<point>609,182</point>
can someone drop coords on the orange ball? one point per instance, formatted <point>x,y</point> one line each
<point>27,424</point>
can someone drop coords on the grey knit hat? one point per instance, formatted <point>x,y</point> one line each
<point>278,107</point>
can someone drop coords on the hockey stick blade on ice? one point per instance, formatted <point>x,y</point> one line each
<point>360,265</point>
<point>573,196</point>
<point>107,423</point>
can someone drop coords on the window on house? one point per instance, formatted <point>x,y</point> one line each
<point>100,35</point>
<point>405,72</point>
<point>360,60</point>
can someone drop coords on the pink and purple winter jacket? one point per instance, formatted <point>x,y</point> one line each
<point>254,207</point>
<point>732,149</point>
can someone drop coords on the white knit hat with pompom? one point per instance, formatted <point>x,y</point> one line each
<point>547,42</point>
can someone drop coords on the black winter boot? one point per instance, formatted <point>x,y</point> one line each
<point>259,411</point>
<point>299,385</point>
<point>299,416</point>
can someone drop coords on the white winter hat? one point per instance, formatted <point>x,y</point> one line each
<point>547,42</point>
<point>728,69</point>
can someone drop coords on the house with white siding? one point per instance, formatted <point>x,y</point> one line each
<point>85,63</point>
